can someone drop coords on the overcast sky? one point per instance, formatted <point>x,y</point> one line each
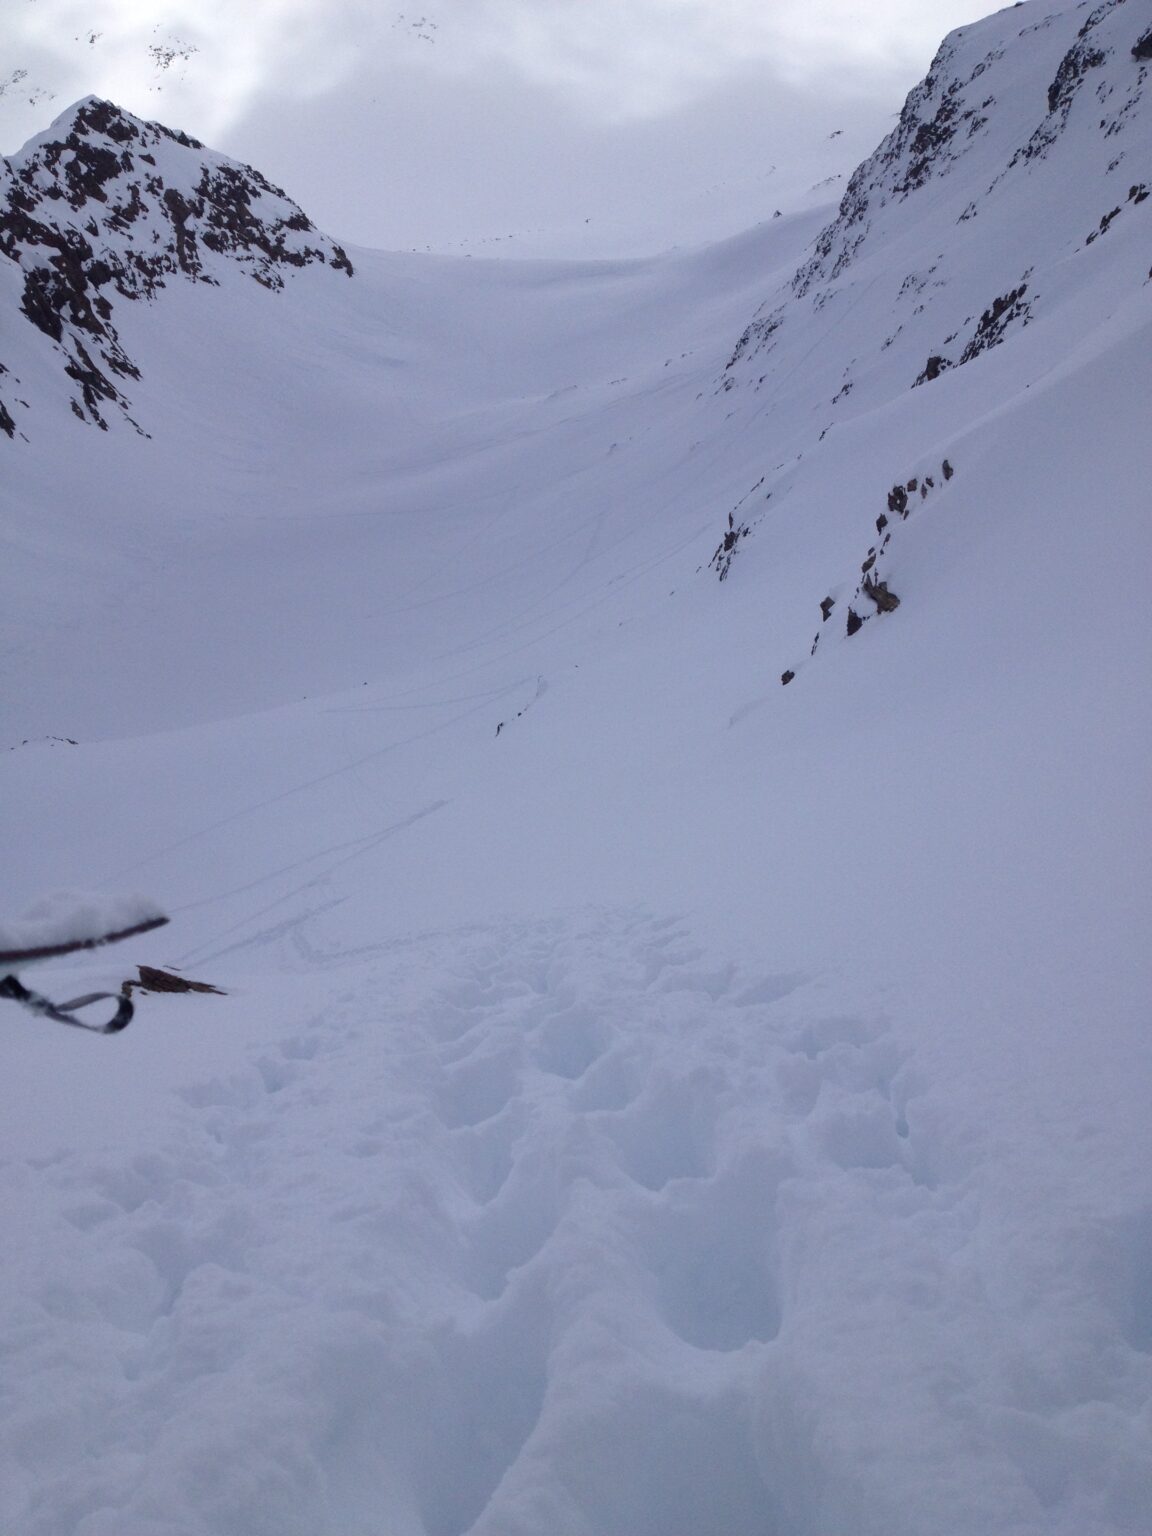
<point>496,126</point>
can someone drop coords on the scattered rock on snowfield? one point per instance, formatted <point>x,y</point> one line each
<point>1073,67</point>
<point>721,561</point>
<point>995,320</point>
<point>886,602</point>
<point>932,369</point>
<point>153,979</point>
<point>871,585</point>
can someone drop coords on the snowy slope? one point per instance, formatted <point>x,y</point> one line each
<point>649,1098</point>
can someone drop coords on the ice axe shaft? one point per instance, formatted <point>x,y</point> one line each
<point>74,946</point>
<point>65,1013</point>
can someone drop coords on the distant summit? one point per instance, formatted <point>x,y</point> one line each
<point>104,207</point>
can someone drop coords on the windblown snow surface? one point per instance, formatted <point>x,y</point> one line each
<point>649,1099</point>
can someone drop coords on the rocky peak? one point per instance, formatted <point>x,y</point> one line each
<point>104,208</point>
<point>1035,91</point>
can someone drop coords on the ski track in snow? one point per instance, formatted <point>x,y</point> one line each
<point>503,1130</point>
<point>524,1232</point>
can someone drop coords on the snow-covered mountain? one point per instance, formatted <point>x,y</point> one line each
<point>976,217</point>
<point>648,1098</point>
<point>104,208</point>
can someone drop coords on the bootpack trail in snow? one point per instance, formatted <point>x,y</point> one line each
<point>441,1204</point>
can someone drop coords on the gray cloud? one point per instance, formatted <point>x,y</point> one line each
<point>408,124</point>
<point>610,57</point>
